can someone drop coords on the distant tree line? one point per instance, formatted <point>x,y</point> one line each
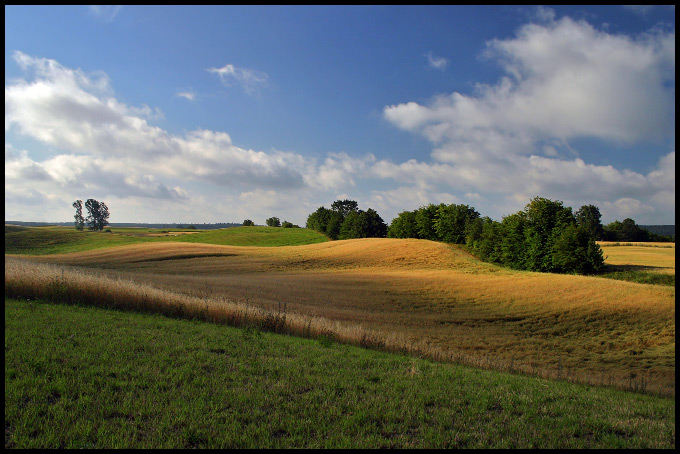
<point>665,231</point>
<point>628,230</point>
<point>274,222</point>
<point>344,220</point>
<point>546,236</point>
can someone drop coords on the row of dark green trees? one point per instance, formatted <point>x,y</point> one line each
<point>546,236</point>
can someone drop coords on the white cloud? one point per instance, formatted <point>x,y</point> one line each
<point>626,207</point>
<point>186,95</point>
<point>390,202</point>
<point>249,79</point>
<point>339,170</point>
<point>436,62</point>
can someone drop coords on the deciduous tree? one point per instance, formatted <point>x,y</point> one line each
<point>98,214</point>
<point>588,217</point>
<point>80,221</point>
<point>273,222</point>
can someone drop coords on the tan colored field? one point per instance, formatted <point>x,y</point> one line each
<point>445,302</point>
<point>654,257</point>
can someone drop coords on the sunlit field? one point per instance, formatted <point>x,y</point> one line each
<point>653,257</point>
<point>439,301</point>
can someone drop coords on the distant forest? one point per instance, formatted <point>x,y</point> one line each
<point>177,225</point>
<point>666,230</point>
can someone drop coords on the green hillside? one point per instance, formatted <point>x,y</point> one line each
<point>56,240</point>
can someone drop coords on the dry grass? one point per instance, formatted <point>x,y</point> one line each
<point>25,278</point>
<point>428,298</point>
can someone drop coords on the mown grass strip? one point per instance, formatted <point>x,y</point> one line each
<point>84,377</point>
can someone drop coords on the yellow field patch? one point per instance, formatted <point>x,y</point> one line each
<point>654,257</point>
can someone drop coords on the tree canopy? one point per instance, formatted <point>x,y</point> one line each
<point>345,221</point>
<point>273,222</point>
<point>98,214</point>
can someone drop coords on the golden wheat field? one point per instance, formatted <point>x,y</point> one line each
<point>654,257</point>
<point>441,301</point>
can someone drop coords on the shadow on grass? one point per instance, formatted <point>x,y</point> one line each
<point>631,268</point>
<point>641,274</point>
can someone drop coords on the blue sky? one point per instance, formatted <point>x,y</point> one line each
<point>226,113</point>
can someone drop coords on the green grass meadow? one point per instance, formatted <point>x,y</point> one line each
<point>58,240</point>
<point>84,377</point>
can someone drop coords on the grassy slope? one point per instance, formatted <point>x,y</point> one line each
<point>78,377</point>
<point>58,240</point>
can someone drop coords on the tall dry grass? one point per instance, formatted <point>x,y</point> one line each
<point>27,279</point>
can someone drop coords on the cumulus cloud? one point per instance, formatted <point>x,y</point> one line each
<point>564,80</point>
<point>495,148</point>
<point>77,112</point>
<point>340,170</point>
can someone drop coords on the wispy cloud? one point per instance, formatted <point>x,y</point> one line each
<point>249,79</point>
<point>186,95</point>
<point>436,62</point>
<point>107,13</point>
